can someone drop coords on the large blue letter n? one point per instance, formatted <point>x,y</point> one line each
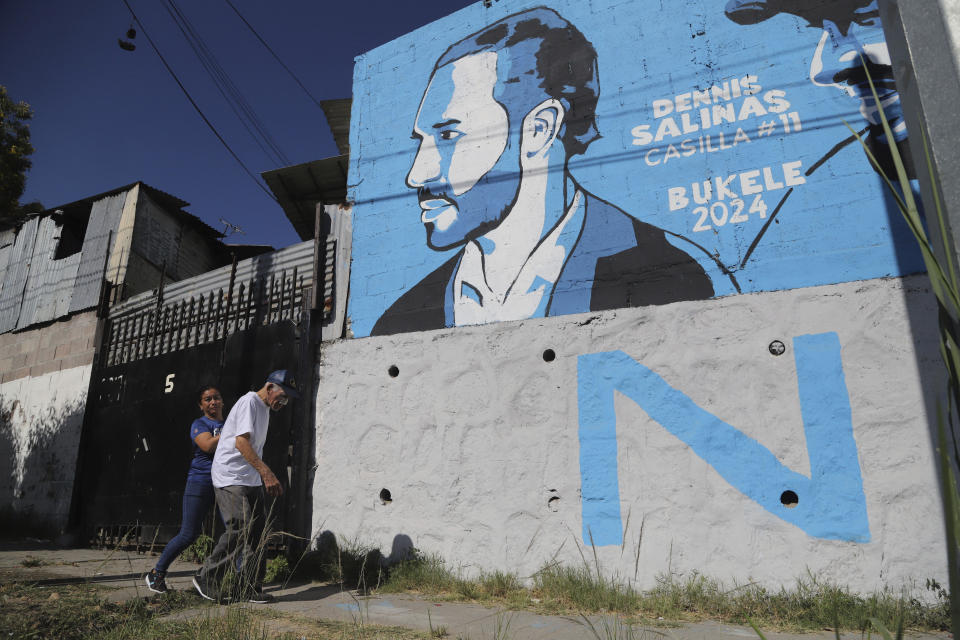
<point>830,503</point>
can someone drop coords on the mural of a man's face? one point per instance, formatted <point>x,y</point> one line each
<point>837,62</point>
<point>851,43</point>
<point>466,170</point>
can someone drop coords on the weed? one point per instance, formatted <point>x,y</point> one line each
<point>440,631</point>
<point>811,604</point>
<point>579,590</point>
<point>502,628</point>
<point>428,574</point>
<point>349,563</point>
<point>278,569</point>
<point>199,550</point>
<point>616,628</point>
<point>74,612</point>
<point>944,277</point>
<point>32,561</point>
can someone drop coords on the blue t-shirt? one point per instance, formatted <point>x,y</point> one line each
<point>200,465</point>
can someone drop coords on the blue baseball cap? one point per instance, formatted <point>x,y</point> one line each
<point>284,379</point>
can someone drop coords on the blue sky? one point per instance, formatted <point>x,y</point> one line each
<point>105,117</point>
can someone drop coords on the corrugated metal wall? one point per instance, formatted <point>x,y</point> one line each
<point>15,279</point>
<point>36,288</point>
<point>6,248</point>
<point>299,256</point>
<point>104,218</point>
<point>49,285</point>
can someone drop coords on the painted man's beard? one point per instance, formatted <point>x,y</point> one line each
<point>478,210</point>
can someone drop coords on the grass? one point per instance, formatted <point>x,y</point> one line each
<point>82,612</point>
<point>75,612</point>
<point>430,575</point>
<point>810,604</point>
<point>348,563</point>
<point>239,622</point>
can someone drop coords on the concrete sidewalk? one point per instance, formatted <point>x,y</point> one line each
<point>123,572</point>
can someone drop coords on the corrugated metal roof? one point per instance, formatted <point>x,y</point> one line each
<point>338,118</point>
<point>299,256</point>
<point>169,202</point>
<point>301,187</point>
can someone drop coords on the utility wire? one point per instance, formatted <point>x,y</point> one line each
<point>240,106</point>
<point>230,101</point>
<point>273,53</point>
<point>196,106</point>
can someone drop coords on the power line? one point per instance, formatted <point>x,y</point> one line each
<point>240,106</point>
<point>273,53</point>
<point>195,105</point>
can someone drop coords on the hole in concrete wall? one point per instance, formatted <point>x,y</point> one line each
<point>393,371</point>
<point>553,503</point>
<point>385,497</point>
<point>789,499</point>
<point>777,348</point>
<point>549,355</point>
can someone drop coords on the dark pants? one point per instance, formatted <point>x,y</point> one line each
<point>197,500</point>
<point>242,547</point>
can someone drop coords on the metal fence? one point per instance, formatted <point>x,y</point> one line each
<point>205,317</point>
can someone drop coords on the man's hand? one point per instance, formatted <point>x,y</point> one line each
<point>270,483</point>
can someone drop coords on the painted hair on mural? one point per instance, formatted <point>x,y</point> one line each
<point>565,63</point>
<point>815,12</point>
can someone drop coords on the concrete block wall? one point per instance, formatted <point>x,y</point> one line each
<point>43,388</point>
<point>142,275</point>
<point>195,255</point>
<point>161,238</point>
<point>62,344</point>
<point>703,324</point>
<point>495,458</point>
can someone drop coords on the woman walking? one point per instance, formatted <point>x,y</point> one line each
<point>198,494</point>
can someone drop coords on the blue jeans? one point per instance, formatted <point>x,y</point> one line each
<point>197,500</point>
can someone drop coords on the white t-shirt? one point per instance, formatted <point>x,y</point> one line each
<point>249,415</point>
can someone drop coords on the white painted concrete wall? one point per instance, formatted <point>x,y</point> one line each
<point>40,422</point>
<point>477,433</point>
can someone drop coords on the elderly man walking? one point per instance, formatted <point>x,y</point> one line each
<point>239,478</point>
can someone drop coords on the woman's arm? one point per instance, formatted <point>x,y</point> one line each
<point>207,442</point>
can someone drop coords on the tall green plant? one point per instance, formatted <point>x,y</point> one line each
<point>944,280</point>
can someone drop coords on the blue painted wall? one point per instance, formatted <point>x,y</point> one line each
<point>829,504</point>
<point>785,148</point>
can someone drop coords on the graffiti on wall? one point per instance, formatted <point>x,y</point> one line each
<point>829,504</point>
<point>503,111</point>
<point>557,159</point>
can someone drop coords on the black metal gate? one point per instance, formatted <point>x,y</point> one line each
<point>135,449</point>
